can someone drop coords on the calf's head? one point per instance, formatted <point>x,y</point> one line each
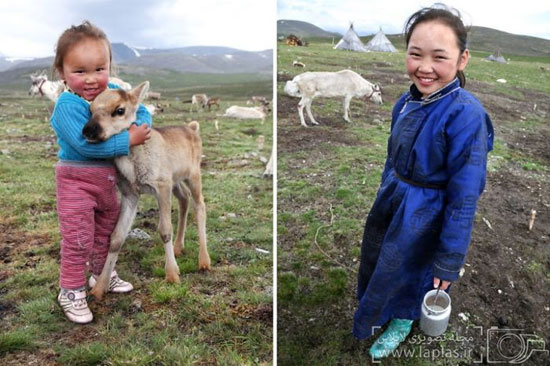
<point>113,111</point>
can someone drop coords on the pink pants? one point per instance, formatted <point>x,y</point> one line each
<point>87,209</point>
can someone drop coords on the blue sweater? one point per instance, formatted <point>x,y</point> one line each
<point>70,114</point>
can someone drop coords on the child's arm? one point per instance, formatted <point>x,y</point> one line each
<point>68,120</point>
<point>469,137</point>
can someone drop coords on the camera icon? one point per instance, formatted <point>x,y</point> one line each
<point>512,345</point>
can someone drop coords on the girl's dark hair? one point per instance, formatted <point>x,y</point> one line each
<point>449,17</point>
<point>73,35</point>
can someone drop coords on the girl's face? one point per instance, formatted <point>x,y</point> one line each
<point>433,57</point>
<point>86,68</point>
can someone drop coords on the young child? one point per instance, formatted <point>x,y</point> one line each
<point>418,230</point>
<point>87,203</point>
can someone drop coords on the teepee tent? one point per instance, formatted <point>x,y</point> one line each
<point>350,41</point>
<point>497,57</point>
<point>380,43</point>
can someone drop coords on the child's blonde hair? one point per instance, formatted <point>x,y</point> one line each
<point>73,35</point>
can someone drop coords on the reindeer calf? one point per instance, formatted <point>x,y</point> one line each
<point>169,162</point>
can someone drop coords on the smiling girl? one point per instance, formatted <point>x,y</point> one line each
<point>419,228</point>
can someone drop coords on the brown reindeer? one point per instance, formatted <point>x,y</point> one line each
<point>213,101</point>
<point>169,162</point>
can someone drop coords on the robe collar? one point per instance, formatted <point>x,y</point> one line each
<point>416,95</point>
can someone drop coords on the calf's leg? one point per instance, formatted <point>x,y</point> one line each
<point>195,185</point>
<point>182,193</point>
<point>163,191</point>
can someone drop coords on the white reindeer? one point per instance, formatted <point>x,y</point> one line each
<point>236,111</point>
<point>41,85</point>
<point>200,100</point>
<point>345,83</point>
<point>153,95</point>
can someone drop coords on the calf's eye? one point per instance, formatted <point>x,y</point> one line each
<point>119,112</point>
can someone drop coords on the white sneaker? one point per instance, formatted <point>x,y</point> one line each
<point>75,306</point>
<point>115,285</point>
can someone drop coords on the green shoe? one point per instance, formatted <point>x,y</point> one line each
<point>396,333</point>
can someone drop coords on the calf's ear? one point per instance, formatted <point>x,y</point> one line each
<point>140,91</point>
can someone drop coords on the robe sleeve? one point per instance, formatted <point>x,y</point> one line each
<point>395,113</point>
<point>469,138</point>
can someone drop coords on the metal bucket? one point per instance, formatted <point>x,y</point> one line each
<point>436,311</point>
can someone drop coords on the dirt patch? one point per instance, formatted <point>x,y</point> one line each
<point>532,144</point>
<point>14,241</point>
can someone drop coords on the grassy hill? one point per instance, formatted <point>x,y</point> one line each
<point>302,29</point>
<point>481,39</point>
<point>171,82</point>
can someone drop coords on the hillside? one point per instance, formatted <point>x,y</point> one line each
<point>302,29</point>
<point>481,39</point>
<point>488,39</point>
<point>197,59</point>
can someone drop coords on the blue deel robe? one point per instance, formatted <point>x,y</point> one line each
<point>414,233</point>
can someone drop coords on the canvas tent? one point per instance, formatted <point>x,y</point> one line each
<point>497,57</point>
<point>380,43</point>
<point>350,41</point>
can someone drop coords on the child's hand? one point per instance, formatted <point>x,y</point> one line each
<point>139,134</point>
<point>444,285</point>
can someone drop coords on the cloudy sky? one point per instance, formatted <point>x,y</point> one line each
<point>526,17</point>
<point>30,28</point>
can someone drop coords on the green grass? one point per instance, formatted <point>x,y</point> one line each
<point>217,318</point>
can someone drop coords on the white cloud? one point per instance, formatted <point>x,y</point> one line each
<point>531,18</point>
<point>31,27</point>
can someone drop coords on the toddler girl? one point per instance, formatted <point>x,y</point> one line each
<point>87,204</point>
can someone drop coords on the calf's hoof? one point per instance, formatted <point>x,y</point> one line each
<point>172,277</point>
<point>205,266</point>
<point>97,293</point>
<point>178,251</point>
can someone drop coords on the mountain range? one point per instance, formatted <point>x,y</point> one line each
<point>195,59</point>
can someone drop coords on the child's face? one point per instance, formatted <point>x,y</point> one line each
<point>433,57</point>
<point>86,68</point>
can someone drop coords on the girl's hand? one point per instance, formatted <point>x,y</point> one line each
<point>444,285</point>
<point>139,134</point>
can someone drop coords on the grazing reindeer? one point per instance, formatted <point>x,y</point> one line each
<point>169,162</point>
<point>41,85</point>
<point>257,100</point>
<point>345,83</point>
<point>213,101</point>
<point>152,95</point>
<point>199,100</point>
